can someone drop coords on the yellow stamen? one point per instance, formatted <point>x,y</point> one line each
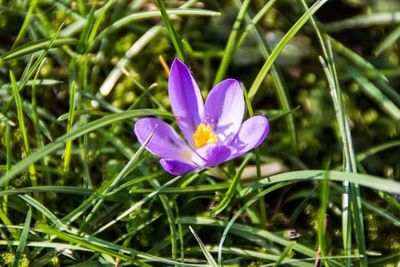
<point>204,135</point>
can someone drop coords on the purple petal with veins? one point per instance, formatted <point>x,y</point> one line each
<point>224,109</point>
<point>211,155</point>
<point>165,143</point>
<point>176,167</point>
<point>185,97</point>
<point>252,133</point>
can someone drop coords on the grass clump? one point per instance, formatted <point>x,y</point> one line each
<point>77,189</point>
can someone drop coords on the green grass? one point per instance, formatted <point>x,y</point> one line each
<point>77,189</point>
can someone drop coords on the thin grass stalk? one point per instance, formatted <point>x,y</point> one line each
<point>204,249</point>
<point>92,246</point>
<point>317,31</point>
<point>260,195</point>
<point>376,149</point>
<point>260,256</point>
<point>83,120</point>
<point>231,191</point>
<point>101,15</point>
<point>80,66</point>
<point>35,120</point>
<point>252,23</point>
<point>81,5</point>
<point>171,219</point>
<point>145,15</point>
<point>111,249</point>
<point>375,94</point>
<point>368,67</point>
<point>388,41</point>
<point>102,191</point>
<point>374,182</point>
<point>362,21</point>
<point>134,50</point>
<point>30,71</point>
<point>176,41</point>
<point>346,218</point>
<point>279,47</point>
<point>351,202</point>
<point>7,222</point>
<point>231,44</point>
<point>137,205</point>
<point>23,238</point>
<point>262,206</point>
<point>283,97</point>
<point>70,122</point>
<point>185,190</point>
<point>8,146</point>
<point>249,231</point>
<point>22,128</point>
<point>180,234</point>
<point>4,210</point>
<point>351,165</point>
<point>346,215</point>
<point>97,200</point>
<point>93,125</point>
<point>284,255</point>
<point>322,219</point>
<point>26,23</point>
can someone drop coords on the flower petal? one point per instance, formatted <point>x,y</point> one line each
<point>252,133</point>
<point>176,167</point>
<point>165,143</point>
<point>185,97</point>
<point>224,109</point>
<point>211,155</point>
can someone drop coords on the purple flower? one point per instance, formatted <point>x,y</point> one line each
<point>214,131</point>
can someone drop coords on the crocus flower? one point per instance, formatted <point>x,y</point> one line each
<point>214,132</point>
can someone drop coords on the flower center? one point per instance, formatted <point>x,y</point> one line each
<point>204,135</point>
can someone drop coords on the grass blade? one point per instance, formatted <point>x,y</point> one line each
<point>251,24</point>
<point>284,255</point>
<point>322,219</point>
<point>68,144</point>
<point>23,239</point>
<point>204,249</point>
<point>137,205</point>
<point>25,24</point>
<point>363,64</point>
<point>279,47</point>
<point>375,94</point>
<point>107,120</point>
<point>22,127</point>
<point>231,44</point>
<point>362,21</point>
<point>127,20</point>
<point>176,41</point>
<point>387,41</point>
<point>36,46</point>
<point>231,190</point>
<point>281,92</point>
<point>374,182</point>
<point>249,231</point>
